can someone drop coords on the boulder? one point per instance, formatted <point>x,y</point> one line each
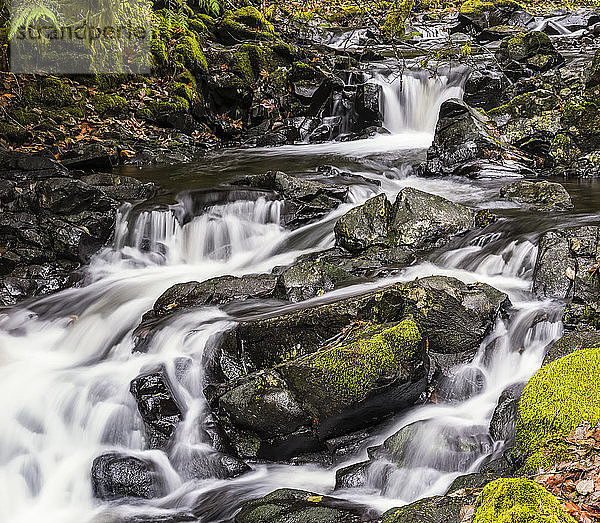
<point>530,121</point>
<point>539,196</point>
<point>566,265</point>
<point>455,317</point>
<point>309,278</point>
<point>297,506</point>
<point>158,406</point>
<point>593,73</point>
<point>116,476</point>
<point>466,143</point>
<point>437,509</point>
<point>368,374</point>
<point>504,418</point>
<point>246,23</point>
<point>415,221</point>
<point>526,54</point>
<point>480,15</point>
<point>484,88</point>
<point>571,342</point>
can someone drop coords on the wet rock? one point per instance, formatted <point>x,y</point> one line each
<point>295,506</point>
<point>484,88</point>
<point>370,373</point>
<point>365,226</point>
<point>367,105</point>
<point>438,509</point>
<point>454,448</point>
<point>158,406</point>
<point>29,166</point>
<point>571,342</point>
<point>593,73</point>
<point>454,316</point>
<point>539,196</point>
<point>88,157</point>
<point>193,464</point>
<point>526,54</point>
<point>117,476</point>
<point>530,121</point>
<point>121,188</point>
<point>504,419</point>
<point>189,295</point>
<point>68,196</point>
<point>566,265</point>
<point>416,220</point>
<point>481,15</point>
<point>306,200</point>
<point>581,120</point>
<point>466,143</point>
<point>309,278</point>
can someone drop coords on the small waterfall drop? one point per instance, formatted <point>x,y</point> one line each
<point>412,101</point>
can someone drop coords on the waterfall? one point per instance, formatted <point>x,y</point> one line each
<point>411,101</point>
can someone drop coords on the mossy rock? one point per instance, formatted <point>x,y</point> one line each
<point>518,501</point>
<point>50,92</point>
<point>189,54</point>
<point>155,108</point>
<point>183,90</point>
<point>246,23</point>
<point>109,104</point>
<point>534,50</point>
<point>593,74</point>
<point>251,60</point>
<point>13,133</point>
<point>334,379</point>
<point>396,17</point>
<point>563,149</point>
<point>483,14</point>
<point>557,399</point>
<point>527,105</point>
<point>343,15</point>
<point>582,118</point>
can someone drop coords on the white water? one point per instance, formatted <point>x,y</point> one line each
<point>66,362</point>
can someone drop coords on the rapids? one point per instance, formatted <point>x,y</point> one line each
<point>66,361</point>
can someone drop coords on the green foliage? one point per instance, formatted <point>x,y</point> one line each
<point>210,7</point>
<point>518,501</point>
<point>397,15</point>
<point>27,15</point>
<point>478,6</point>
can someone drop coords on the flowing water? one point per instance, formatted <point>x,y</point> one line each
<point>66,361</point>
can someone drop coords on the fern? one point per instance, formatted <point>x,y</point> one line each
<point>28,15</point>
<point>210,7</point>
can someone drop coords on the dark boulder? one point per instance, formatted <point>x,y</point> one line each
<point>526,54</point>
<point>117,476</point>
<point>416,220</point>
<point>121,188</point>
<point>370,373</point>
<point>158,406</point>
<point>504,418</point>
<point>88,157</point>
<point>566,265</point>
<point>467,143</point>
<point>306,200</point>
<point>455,317</point>
<point>571,342</point>
<point>480,15</point>
<point>484,88</point>
<point>438,509</point>
<point>539,196</point>
<point>298,506</point>
<point>66,196</point>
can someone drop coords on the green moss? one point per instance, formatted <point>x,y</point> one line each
<point>246,23</point>
<point>191,53</point>
<point>345,374</point>
<point>251,60</point>
<point>342,15</point>
<point>175,104</point>
<point>24,116</point>
<point>13,133</point>
<point>563,149</point>
<point>527,105</point>
<point>582,116</point>
<point>518,501</point>
<point>480,6</point>
<point>183,90</point>
<point>558,398</point>
<point>158,49</point>
<point>51,92</point>
<point>397,15</point>
<point>484,218</point>
<point>109,104</point>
